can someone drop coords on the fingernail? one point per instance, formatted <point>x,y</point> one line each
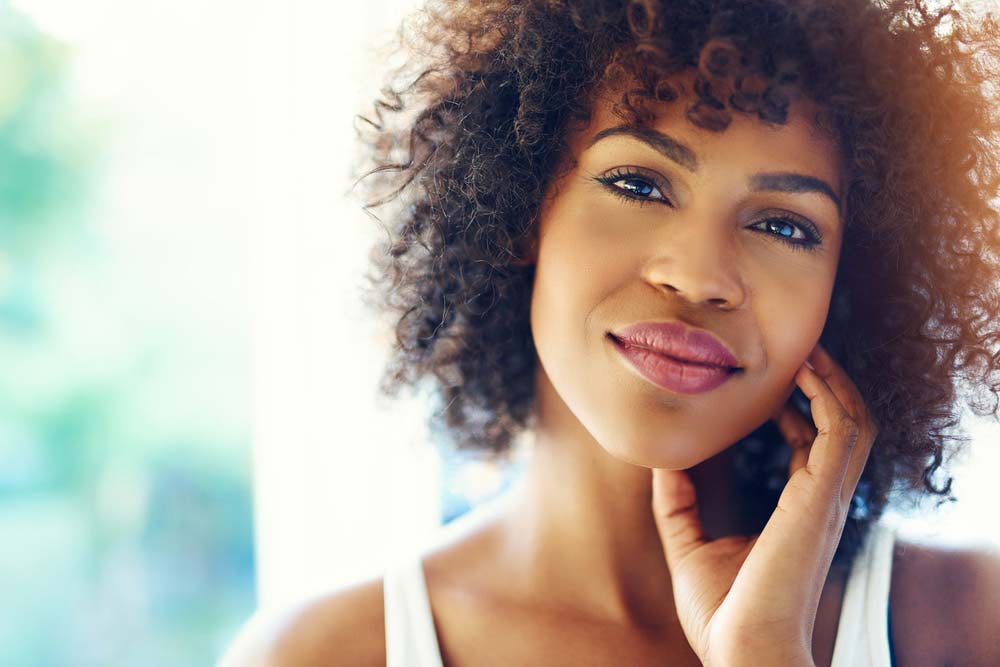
<point>809,365</point>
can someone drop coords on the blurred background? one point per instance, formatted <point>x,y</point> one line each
<point>188,424</point>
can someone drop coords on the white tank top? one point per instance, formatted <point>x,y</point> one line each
<point>863,632</point>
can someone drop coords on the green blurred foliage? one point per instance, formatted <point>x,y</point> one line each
<point>44,157</point>
<point>126,524</point>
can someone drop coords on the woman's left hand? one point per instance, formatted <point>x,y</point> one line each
<point>753,600</point>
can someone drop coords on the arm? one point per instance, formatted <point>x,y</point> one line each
<point>970,609</point>
<point>946,605</point>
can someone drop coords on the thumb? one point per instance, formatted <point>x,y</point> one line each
<point>675,510</point>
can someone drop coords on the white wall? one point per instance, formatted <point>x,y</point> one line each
<point>338,483</point>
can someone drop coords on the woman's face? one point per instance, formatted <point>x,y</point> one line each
<point>680,224</point>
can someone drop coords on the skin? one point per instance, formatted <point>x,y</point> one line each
<point>603,263</point>
<point>623,543</point>
<point>698,253</point>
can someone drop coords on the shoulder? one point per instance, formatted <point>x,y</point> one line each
<point>346,626</point>
<point>944,603</point>
<point>342,627</point>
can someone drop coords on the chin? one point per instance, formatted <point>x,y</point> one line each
<point>662,453</point>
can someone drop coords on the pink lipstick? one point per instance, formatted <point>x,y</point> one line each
<point>676,357</point>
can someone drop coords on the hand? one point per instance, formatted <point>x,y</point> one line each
<point>738,597</point>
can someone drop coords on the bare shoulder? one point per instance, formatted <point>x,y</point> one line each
<point>944,604</point>
<point>342,627</point>
<point>346,626</point>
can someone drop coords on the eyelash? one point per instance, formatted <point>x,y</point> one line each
<point>813,237</point>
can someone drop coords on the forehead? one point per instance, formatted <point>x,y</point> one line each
<point>747,144</point>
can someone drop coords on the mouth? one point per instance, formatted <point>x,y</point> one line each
<point>624,344</point>
<point>676,375</point>
<point>678,341</point>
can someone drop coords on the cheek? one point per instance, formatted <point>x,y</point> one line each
<point>587,261</point>
<point>791,314</point>
<point>581,261</point>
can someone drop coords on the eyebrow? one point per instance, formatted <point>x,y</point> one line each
<point>791,182</point>
<point>662,143</point>
<point>677,152</point>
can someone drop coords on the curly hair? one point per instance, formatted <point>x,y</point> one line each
<point>466,136</point>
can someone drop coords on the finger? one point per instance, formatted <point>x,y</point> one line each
<point>838,381</point>
<point>798,459</point>
<point>856,466</point>
<point>845,389</point>
<point>837,433</point>
<point>798,432</point>
<point>675,510</point>
<point>795,427</point>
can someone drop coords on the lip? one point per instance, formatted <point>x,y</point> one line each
<point>678,341</point>
<point>673,374</point>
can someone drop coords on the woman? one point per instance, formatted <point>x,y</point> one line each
<point>746,245</point>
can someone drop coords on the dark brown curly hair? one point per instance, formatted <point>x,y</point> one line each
<point>464,139</point>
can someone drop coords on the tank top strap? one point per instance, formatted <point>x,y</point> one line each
<point>410,637</point>
<point>863,628</point>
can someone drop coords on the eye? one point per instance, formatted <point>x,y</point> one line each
<point>639,186</point>
<point>635,185</point>
<point>797,232</point>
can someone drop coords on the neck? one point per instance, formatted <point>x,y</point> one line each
<point>581,532</point>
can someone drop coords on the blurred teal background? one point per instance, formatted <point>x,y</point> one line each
<point>125,505</point>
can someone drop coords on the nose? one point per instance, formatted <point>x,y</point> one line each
<point>696,261</point>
